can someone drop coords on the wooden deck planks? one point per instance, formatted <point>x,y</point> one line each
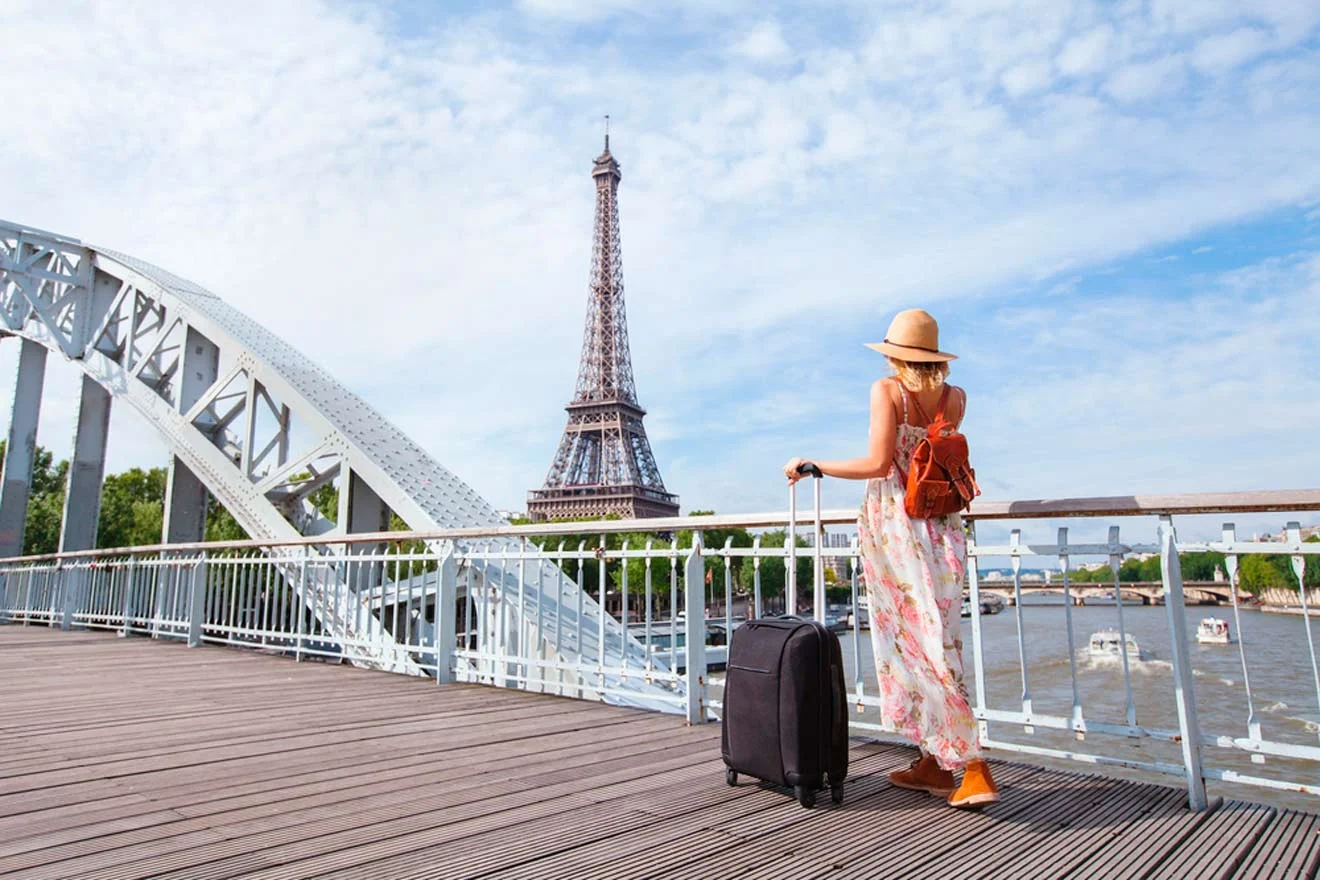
<point>1288,850</point>
<point>128,758</point>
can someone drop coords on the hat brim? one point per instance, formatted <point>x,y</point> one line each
<point>912,355</point>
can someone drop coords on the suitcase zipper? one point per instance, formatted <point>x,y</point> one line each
<point>750,669</point>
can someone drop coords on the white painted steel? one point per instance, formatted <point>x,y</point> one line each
<point>1183,687</point>
<point>20,449</point>
<point>231,399</point>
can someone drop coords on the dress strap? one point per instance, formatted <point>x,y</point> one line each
<point>903,390</point>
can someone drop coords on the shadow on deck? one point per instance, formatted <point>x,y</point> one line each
<point>139,758</point>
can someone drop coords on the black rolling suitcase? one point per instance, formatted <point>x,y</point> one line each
<point>785,720</point>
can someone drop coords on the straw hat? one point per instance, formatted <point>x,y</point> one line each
<point>913,336</point>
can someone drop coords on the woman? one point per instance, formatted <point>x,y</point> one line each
<point>913,569</point>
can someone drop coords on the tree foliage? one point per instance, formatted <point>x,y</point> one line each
<point>1257,574</point>
<point>132,508</point>
<point>1195,567</point>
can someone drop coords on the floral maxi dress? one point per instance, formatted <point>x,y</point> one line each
<point>913,570</point>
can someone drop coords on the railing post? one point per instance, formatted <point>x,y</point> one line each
<point>1183,688</point>
<point>978,656</point>
<point>303,605</point>
<point>197,602</point>
<point>129,572</point>
<point>446,622</point>
<point>694,606</point>
<point>68,582</point>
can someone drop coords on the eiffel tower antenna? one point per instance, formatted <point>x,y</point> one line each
<point>603,464</point>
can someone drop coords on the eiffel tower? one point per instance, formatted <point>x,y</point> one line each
<point>604,463</point>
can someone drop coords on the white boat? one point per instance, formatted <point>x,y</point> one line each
<point>1213,631</point>
<point>990,604</point>
<point>1108,643</point>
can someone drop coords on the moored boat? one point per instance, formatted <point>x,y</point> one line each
<point>990,604</point>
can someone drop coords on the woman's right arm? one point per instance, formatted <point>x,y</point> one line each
<point>880,445</point>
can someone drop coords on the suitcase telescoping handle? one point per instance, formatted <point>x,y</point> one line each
<point>791,568</point>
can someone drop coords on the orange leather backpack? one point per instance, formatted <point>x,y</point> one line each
<point>940,481</point>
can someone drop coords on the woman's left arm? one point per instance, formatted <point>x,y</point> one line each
<point>880,447</point>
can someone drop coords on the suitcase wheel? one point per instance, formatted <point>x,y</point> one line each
<point>806,796</point>
<point>731,776</point>
<point>836,793</point>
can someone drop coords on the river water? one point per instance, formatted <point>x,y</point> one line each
<point>1279,664</point>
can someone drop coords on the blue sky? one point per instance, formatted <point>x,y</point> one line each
<point>1112,208</point>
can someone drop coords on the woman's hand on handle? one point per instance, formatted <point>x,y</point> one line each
<point>793,470</point>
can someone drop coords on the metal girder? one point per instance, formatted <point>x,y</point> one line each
<point>127,324</point>
<point>252,419</point>
<point>260,426</point>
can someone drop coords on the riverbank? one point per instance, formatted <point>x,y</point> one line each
<point>1296,610</point>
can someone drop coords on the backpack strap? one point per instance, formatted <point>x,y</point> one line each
<point>939,407</point>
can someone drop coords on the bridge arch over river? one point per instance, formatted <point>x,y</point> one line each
<point>1134,592</point>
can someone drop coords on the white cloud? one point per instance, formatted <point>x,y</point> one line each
<point>1147,80</point>
<point>1023,79</point>
<point>415,213</point>
<point>1087,53</point>
<point>845,137</point>
<point>764,43</point>
<point>1221,52</point>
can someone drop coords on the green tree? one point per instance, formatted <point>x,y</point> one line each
<point>220,523</point>
<point>1201,566</point>
<point>1312,575</point>
<point>1259,573</point>
<point>45,513</point>
<point>132,508</point>
<point>712,541</point>
<point>1130,570</point>
<point>773,569</point>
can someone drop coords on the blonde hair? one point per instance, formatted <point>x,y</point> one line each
<point>918,376</point>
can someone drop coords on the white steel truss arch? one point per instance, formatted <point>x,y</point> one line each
<point>125,323</point>
<point>132,326</point>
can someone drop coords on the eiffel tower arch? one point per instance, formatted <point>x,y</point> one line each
<point>604,464</point>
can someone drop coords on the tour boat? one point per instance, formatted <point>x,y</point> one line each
<point>1213,631</point>
<point>1106,642</point>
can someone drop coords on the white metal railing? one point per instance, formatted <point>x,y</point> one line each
<point>520,607</point>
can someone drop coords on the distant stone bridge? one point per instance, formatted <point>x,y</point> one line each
<point>1145,592</point>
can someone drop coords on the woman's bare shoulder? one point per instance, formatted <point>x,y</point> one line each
<point>959,401</point>
<point>885,389</point>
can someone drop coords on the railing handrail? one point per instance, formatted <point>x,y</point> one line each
<point>1282,500</point>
